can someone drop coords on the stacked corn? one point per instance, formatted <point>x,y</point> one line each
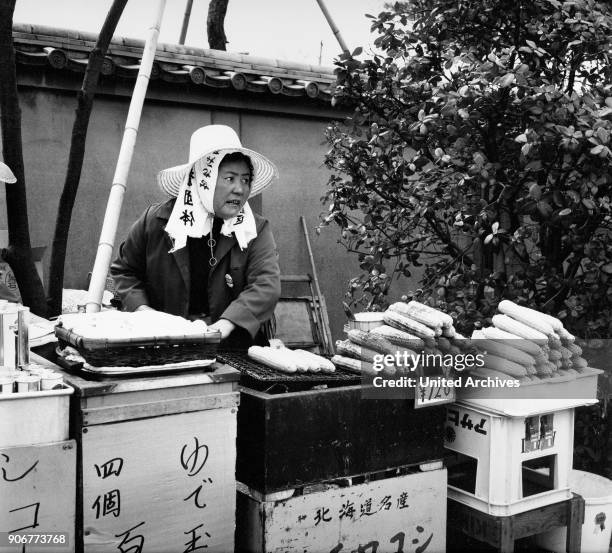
<point>290,361</point>
<point>410,328</point>
<point>528,345</point>
<point>358,353</point>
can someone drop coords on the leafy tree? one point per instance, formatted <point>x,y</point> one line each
<point>479,148</point>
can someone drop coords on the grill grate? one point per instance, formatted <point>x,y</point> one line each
<point>260,377</point>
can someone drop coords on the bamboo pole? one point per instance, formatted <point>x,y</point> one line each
<point>318,302</point>
<point>333,26</point>
<point>186,18</point>
<point>115,199</point>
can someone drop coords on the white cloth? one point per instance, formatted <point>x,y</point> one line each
<point>193,214</point>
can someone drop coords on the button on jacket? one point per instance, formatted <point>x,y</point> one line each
<point>243,287</point>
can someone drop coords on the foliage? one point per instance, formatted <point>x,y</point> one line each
<point>479,148</point>
<point>593,440</point>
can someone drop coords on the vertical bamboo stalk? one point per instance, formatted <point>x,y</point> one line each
<point>115,199</point>
<point>186,18</point>
<point>333,26</point>
<point>318,302</point>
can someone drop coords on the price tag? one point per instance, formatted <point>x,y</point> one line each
<point>433,394</point>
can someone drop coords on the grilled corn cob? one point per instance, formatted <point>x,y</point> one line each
<point>312,365</point>
<point>565,352</point>
<point>517,342</point>
<point>506,351</point>
<point>273,358</point>
<point>416,313</point>
<point>398,337</point>
<point>566,337</point>
<point>485,372</point>
<point>445,319</point>
<point>324,364</point>
<point>503,322</point>
<point>545,369</point>
<point>350,349</point>
<point>529,317</point>
<point>579,362</point>
<point>371,341</point>
<point>354,365</point>
<point>503,365</point>
<point>402,322</point>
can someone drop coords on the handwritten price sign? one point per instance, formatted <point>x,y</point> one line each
<point>173,489</point>
<point>37,489</point>
<point>432,393</point>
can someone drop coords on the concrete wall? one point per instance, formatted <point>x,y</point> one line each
<point>295,143</point>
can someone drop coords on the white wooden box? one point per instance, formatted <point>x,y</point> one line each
<point>511,463</point>
<point>164,482</point>
<point>404,513</point>
<point>37,494</point>
<point>156,469</point>
<point>34,417</point>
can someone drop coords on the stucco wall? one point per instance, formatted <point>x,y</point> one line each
<point>295,143</point>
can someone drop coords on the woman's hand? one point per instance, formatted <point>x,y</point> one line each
<point>224,326</point>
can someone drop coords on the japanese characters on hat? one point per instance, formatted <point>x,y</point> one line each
<point>215,139</point>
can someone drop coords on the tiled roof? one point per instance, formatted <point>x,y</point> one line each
<point>69,50</point>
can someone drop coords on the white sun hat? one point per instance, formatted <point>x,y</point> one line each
<point>6,175</point>
<point>213,139</point>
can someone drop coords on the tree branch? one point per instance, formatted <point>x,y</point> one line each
<point>19,253</point>
<point>445,238</point>
<point>85,98</point>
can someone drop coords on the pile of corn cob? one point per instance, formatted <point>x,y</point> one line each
<point>290,361</point>
<point>527,345</point>
<point>409,327</point>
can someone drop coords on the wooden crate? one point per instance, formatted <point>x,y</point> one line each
<point>157,461</point>
<point>37,493</point>
<point>293,439</point>
<point>508,464</point>
<point>405,513</point>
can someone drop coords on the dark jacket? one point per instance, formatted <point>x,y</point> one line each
<point>146,274</point>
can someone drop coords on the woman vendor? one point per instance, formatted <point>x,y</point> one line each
<point>204,253</point>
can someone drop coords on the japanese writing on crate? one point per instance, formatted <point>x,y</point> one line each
<point>356,509</point>
<point>463,420</point>
<point>401,543</point>
<point>108,504</point>
<point>352,510</point>
<point>193,459</point>
<point>23,517</point>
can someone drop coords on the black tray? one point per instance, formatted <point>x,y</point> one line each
<point>260,377</point>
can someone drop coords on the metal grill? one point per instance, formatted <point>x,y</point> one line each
<point>260,377</point>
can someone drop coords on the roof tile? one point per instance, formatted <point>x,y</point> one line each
<point>67,50</point>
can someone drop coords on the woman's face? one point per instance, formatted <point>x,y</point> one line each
<point>232,190</point>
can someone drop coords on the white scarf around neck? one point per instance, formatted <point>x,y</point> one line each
<point>193,214</point>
